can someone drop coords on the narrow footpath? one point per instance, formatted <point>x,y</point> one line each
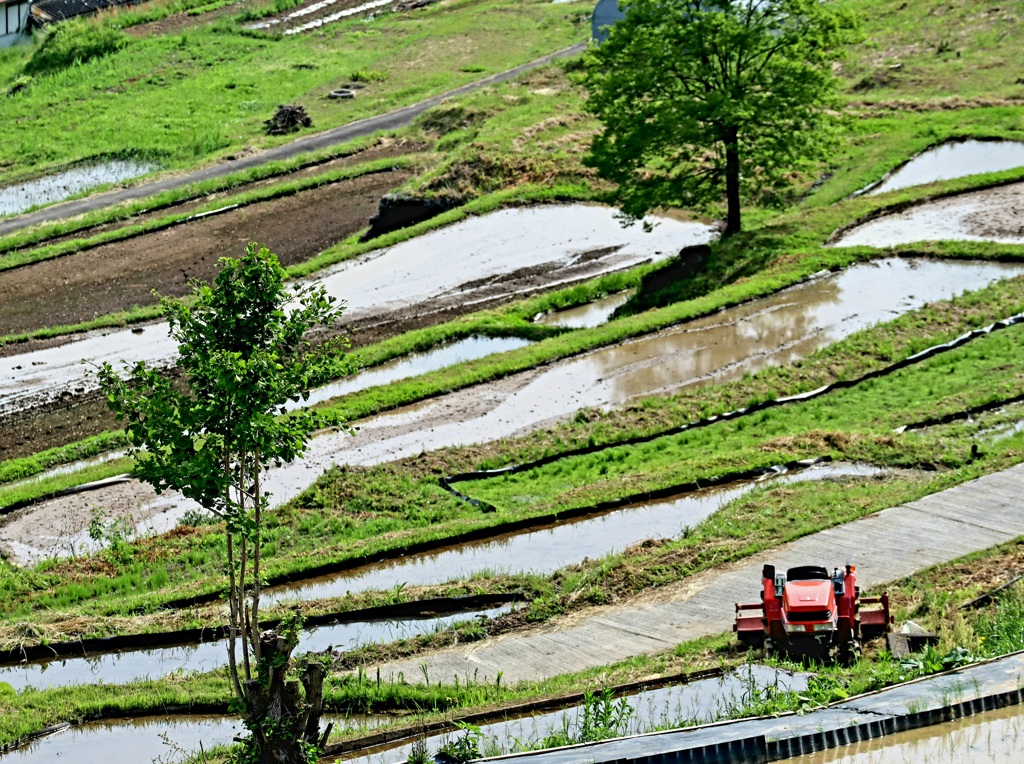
<point>885,546</point>
<point>391,120</point>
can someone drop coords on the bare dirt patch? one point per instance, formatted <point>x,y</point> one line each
<point>385,148</point>
<point>120,275</point>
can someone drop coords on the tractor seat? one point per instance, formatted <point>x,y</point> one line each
<point>807,573</point>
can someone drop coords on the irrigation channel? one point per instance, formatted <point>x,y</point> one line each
<point>953,159</point>
<point>775,330</point>
<point>146,738</point>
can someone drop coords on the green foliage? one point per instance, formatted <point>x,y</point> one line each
<point>1003,630</point>
<point>244,355</point>
<point>698,97</point>
<point>601,717</point>
<point>464,748</point>
<point>74,42</point>
<point>368,75</point>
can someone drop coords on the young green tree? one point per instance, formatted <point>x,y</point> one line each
<point>698,97</point>
<point>243,355</point>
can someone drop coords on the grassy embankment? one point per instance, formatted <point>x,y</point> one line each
<point>761,249</point>
<point>931,597</point>
<point>356,512</point>
<point>204,94</point>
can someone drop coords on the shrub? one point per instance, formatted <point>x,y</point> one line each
<point>71,43</point>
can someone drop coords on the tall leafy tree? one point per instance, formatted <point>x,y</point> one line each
<point>705,98</point>
<point>244,354</point>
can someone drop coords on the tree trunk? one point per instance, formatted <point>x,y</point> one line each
<point>732,180</point>
<point>282,723</point>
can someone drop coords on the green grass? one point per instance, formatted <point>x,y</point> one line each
<point>942,50</point>
<point>28,237</point>
<point>355,512</point>
<point>187,98</point>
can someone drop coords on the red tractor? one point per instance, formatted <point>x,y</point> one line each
<point>806,613</point>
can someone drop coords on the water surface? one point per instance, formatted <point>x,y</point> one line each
<point>551,546</point>
<point>995,737</point>
<point>127,665</point>
<point>955,159</point>
<point>61,185</point>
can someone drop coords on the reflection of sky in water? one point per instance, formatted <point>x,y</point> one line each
<point>699,701</point>
<point>129,740</point>
<point>61,185</point>
<point>586,316</point>
<point>120,667</point>
<point>451,262</point>
<point>994,737</point>
<point>546,550</point>
<point>155,738</point>
<point>954,160</point>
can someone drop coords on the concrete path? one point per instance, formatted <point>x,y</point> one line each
<point>885,546</point>
<point>391,120</point>
<point>932,700</point>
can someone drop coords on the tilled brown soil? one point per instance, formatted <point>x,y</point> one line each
<point>118,276</point>
<point>384,148</point>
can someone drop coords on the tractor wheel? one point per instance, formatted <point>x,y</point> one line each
<point>850,653</point>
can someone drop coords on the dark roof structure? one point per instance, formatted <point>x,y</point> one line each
<point>47,11</point>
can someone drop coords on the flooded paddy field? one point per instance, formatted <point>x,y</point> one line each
<point>994,737</point>
<point>551,546</point>
<point>537,248</point>
<point>171,736</point>
<point>774,330</point>
<point>130,740</point>
<point>992,214</point>
<point>646,711</point>
<point>128,665</point>
<point>54,188</point>
<point>954,159</point>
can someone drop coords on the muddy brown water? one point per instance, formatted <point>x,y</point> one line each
<point>457,264</point>
<point>550,547</point>
<point>993,215</point>
<point>53,188</point>
<point>955,159</point>
<point>994,737</point>
<point>129,665</point>
<point>775,330</point>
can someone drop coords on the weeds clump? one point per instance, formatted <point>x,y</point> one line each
<point>72,43</point>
